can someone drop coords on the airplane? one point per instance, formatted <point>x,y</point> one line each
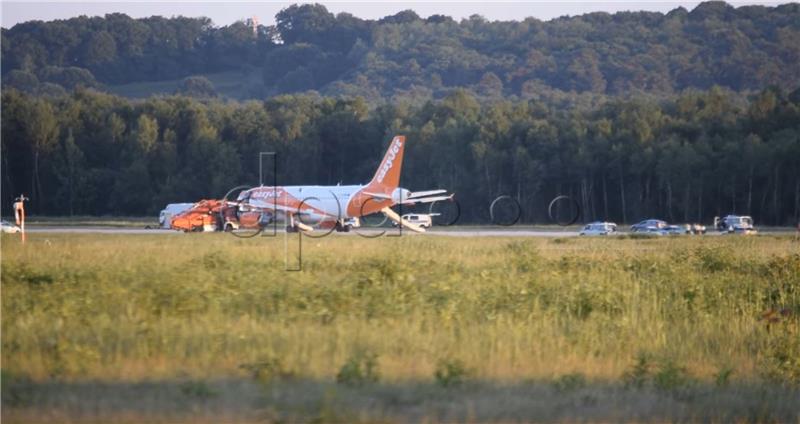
<point>333,207</point>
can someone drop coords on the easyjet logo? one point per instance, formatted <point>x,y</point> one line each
<point>266,194</point>
<point>387,165</point>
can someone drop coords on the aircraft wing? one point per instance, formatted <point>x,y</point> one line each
<point>418,194</point>
<point>428,196</point>
<point>430,199</point>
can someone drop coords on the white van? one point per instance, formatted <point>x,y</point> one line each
<point>172,209</point>
<point>421,219</point>
<point>735,224</point>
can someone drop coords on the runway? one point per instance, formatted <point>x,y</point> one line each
<point>462,231</point>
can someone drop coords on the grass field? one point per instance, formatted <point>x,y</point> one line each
<point>90,221</point>
<point>230,84</point>
<point>211,328</point>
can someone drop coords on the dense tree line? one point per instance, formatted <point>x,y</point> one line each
<point>309,48</point>
<point>686,158</point>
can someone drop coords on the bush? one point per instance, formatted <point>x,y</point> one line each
<point>781,359</point>
<point>21,80</point>
<point>360,369</point>
<point>665,376</point>
<point>570,382</point>
<point>197,87</point>
<point>723,376</point>
<point>714,260</point>
<point>451,372</point>
<point>267,370</point>
<point>197,389</point>
<point>670,376</point>
<point>68,77</point>
<point>639,373</point>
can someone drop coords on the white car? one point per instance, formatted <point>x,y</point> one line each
<point>599,229</point>
<point>8,227</point>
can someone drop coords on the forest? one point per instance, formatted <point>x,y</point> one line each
<point>309,48</point>
<point>701,154</point>
<point>682,116</point>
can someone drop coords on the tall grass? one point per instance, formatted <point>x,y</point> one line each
<point>134,308</point>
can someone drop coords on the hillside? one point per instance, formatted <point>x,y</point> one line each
<point>684,116</point>
<point>744,48</point>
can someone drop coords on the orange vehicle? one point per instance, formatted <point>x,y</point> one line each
<point>203,216</point>
<point>217,215</point>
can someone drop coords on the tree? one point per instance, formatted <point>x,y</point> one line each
<point>146,133</point>
<point>100,48</point>
<point>197,86</point>
<point>304,23</point>
<point>70,77</point>
<point>402,17</point>
<point>69,170</point>
<point>41,129</point>
<point>21,80</point>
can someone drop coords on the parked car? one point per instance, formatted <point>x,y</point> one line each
<point>599,229</point>
<point>653,231</point>
<point>648,223</point>
<point>8,227</point>
<point>677,229</point>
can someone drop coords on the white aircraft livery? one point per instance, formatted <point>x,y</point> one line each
<point>333,206</point>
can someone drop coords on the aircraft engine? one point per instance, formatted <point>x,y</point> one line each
<point>400,195</point>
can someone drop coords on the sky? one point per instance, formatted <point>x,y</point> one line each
<point>225,13</point>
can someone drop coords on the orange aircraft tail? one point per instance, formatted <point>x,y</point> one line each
<point>387,178</point>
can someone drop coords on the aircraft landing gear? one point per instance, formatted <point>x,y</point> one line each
<point>342,228</point>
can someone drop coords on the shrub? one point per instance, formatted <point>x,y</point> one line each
<point>197,389</point>
<point>639,373</point>
<point>451,372</point>
<point>266,370</point>
<point>197,86</point>
<point>713,260</point>
<point>670,376</point>
<point>570,382</point>
<point>723,376</point>
<point>360,369</point>
<point>781,359</point>
<point>666,375</point>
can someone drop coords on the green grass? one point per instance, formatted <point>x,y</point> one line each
<point>230,84</point>
<point>624,329</point>
<point>90,221</point>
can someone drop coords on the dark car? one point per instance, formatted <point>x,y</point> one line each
<point>648,223</point>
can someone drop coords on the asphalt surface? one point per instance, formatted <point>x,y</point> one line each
<point>441,231</point>
<point>366,231</point>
